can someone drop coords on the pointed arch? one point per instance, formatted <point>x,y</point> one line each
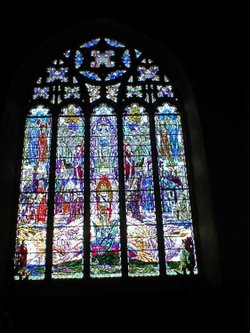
<point>110,67</point>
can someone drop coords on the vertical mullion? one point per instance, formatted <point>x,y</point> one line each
<point>51,194</point>
<point>123,227</point>
<point>160,233</point>
<point>86,236</point>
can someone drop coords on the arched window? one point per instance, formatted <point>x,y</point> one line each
<point>105,187</point>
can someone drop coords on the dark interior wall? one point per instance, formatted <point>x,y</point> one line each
<point>207,41</point>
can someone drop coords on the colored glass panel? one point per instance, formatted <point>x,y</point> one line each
<point>33,197</point>
<point>102,59</point>
<point>114,75</point>
<point>113,43</point>
<point>94,92</point>
<point>90,43</point>
<point>104,200</point>
<point>91,75</point>
<point>143,259</point>
<point>150,73</point>
<point>126,59</point>
<point>41,93</point>
<point>69,199</point>
<point>175,200</point>
<point>112,92</point>
<point>78,59</point>
<point>71,92</point>
<point>59,74</point>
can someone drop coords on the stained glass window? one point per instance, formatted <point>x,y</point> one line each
<point>105,184</point>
